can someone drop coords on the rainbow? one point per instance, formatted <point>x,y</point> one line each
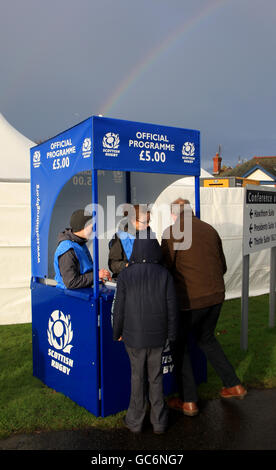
<point>155,52</point>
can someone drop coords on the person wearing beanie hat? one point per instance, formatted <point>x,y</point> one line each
<point>79,220</point>
<point>72,261</point>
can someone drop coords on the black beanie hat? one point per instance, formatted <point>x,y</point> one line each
<point>78,220</point>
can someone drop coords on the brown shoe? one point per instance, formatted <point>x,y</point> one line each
<point>233,392</point>
<point>190,408</point>
<point>186,407</point>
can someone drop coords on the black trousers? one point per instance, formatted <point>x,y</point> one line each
<point>201,324</point>
<point>146,382</point>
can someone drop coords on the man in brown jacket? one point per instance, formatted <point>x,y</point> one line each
<point>198,271</point>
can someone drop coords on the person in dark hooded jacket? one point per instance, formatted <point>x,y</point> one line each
<point>144,317</point>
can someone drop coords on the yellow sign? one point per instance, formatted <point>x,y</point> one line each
<point>216,182</point>
<point>228,182</point>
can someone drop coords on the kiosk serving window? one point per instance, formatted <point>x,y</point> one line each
<point>77,194</point>
<point>113,194</point>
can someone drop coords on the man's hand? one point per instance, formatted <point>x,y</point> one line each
<point>104,274</point>
<point>120,339</point>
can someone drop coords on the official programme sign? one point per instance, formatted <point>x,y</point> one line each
<point>150,148</point>
<point>259,219</point>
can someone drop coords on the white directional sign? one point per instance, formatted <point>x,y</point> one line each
<point>259,232</point>
<point>259,219</point>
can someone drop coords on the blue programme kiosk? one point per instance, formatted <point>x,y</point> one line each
<point>94,164</point>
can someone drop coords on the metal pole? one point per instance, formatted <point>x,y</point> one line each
<point>197,196</point>
<point>244,301</point>
<point>272,296</point>
<point>95,236</point>
<point>128,187</point>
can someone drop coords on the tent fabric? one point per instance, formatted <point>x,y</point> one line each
<point>15,253</point>
<point>14,154</point>
<point>15,216</point>
<point>223,209</point>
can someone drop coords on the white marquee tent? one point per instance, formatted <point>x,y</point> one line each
<point>15,225</point>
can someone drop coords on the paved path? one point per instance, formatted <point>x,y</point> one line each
<point>248,424</point>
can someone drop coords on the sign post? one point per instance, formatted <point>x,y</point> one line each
<point>245,294</point>
<point>259,233</point>
<point>272,296</point>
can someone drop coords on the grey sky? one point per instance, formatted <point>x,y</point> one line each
<point>202,64</point>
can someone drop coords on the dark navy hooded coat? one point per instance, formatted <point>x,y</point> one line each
<point>145,307</point>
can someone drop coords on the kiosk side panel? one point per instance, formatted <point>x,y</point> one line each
<point>66,344</point>
<point>53,164</point>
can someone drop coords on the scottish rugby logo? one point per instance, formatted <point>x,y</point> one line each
<point>188,149</point>
<point>36,159</point>
<point>60,332</point>
<point>111,142</point>
<point>86,148</point>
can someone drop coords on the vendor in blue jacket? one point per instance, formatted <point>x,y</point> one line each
<point>145,317</point>
<point>73,262</point>
<point>120,247</point>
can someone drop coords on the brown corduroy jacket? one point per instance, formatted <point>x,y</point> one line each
<point>197,271</point>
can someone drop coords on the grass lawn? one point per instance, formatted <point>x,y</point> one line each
<point>27,405</point>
